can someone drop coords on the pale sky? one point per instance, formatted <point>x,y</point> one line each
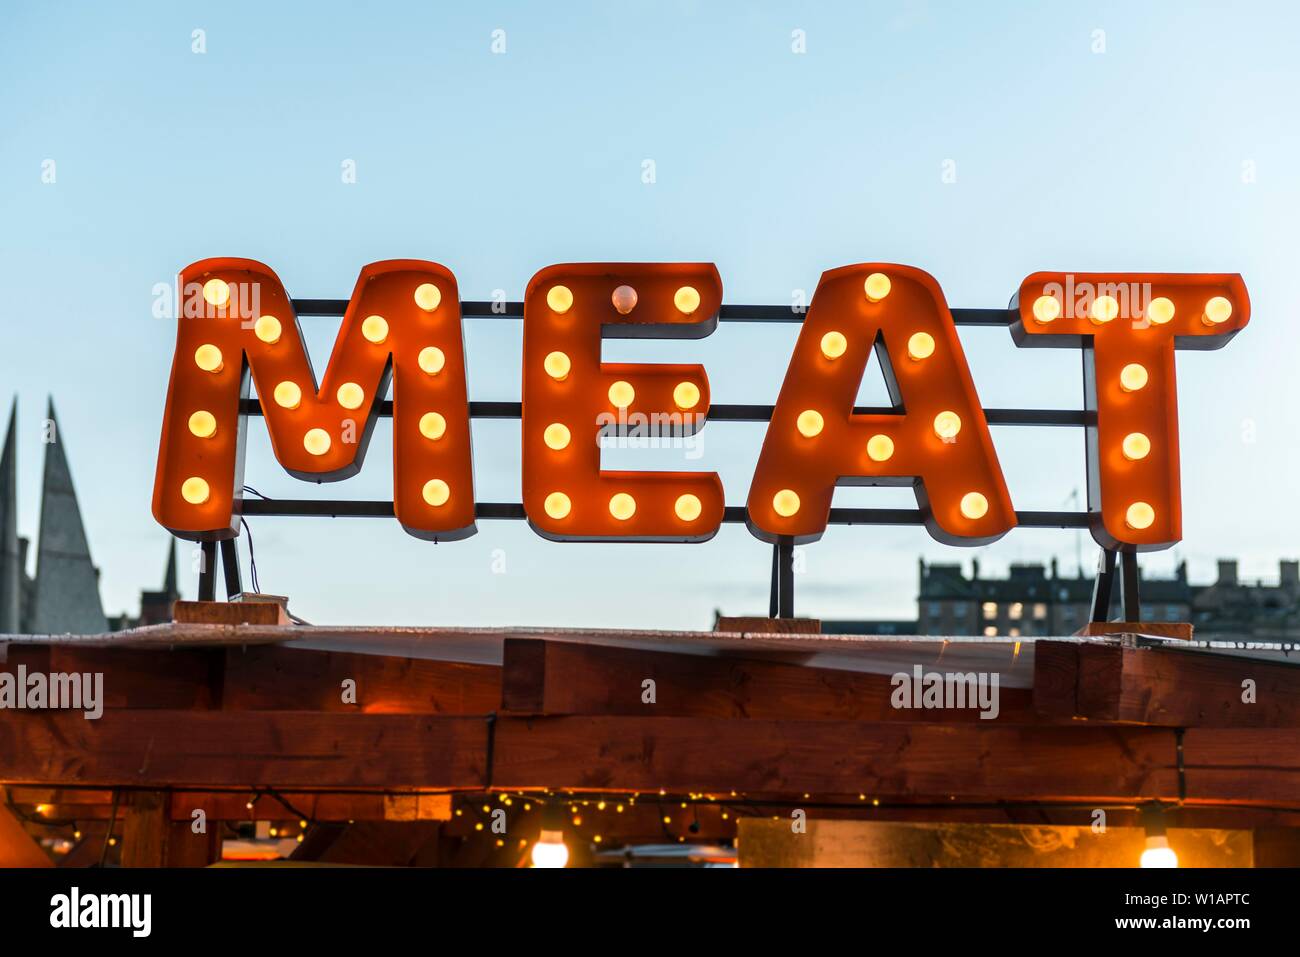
<point>1133,137</point>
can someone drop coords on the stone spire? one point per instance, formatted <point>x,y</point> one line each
<point>67,583</point>
<point>11,571</point>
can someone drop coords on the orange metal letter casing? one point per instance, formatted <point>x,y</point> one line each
<point>403,321</point>
<point>816,441</point>
<point>1128,348</point>
<point>571,399</point>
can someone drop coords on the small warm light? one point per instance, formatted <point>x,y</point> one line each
<point>316,441</point>
<point>947,425</point>
<point>686,299</point>
<point>1158,853</point>
<point>1132,377</point>
<point>267,328</point>
<point>549,851</point>
<point>557,365</point>
<point>621,394</point>
<point>432,425</point>
<point>432,360</point>
<point>920,345</point>
<point>216,292</point>
<point>428,296</point>
<point>688,507</point>
<point>834,344</point>
<point>785,502</point>
<point>624,299</point>
<point>557,505</point>
<point>208,358</point>
<point>1047,308</point>
<point>436,492</point>
<point>195,490</point>
<point>1104,309</point>
<point>288,395</point>
<point>1136,446</point>
<point>559,299</point>
<point>1160,310</point>
<point>877,286</point>
<point>974,505</point>
<point>1217,310</point>
<point>556,436</point>
<point>351,395</point>
<point>810,423</point>
<point>375,329</point>
<point>1140,515</point>
<point>880,448</point>
<point>686,395</point>
<point>203,424</point>
<point>622,506</point>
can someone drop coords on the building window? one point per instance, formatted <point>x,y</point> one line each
<point>1040,611</point>
<point>990,631</point>
<point>1174,613</point>
<point>959,609</point>
<point>990,609</point>
<point>1067,614</point>
<point>1016,611</point>
<point>936,609</point>
<point>1014,632</point>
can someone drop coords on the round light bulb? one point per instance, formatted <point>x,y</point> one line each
<point>556,436</point>
<point>557,505</point>
<point>203,424</point>
<point>195,490</point>
<point>877,286</point>
<point>1136,446</point>
<point>1104,309</point>
<point>316,441</point>
<point>686,395</point>
<point>268,329</point>
<point>428,296</point>
<point>1217,310</point>
<point>432,360</point>
<point>624,299</point>
<point>375,329</point>
<point>557,365</point>
<point>920,345</point>
<point>1140,515</point>
<point>686,299</point>
<point>947,425</point>
<point>1160,310</point>
<point>621,394</point>
<point>1047,309</point>
<point>785,502</point>
<point>834,344</point>
<point>432,425</point>
<point>810,423</point>
<point>288,395</point>
<point>549,851</point>
<point>622,506</point>
<point>974,505</point>
<point>351,395</point>
<point>216,292</point>
<point>559,299</point>
<point>436,492</point>
<point>880,448</point>
<point>688,507</point>
<point>208,358</point>
<point>1158,853</point>
<point>1132,377</point>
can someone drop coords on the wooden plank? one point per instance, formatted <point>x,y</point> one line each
<point>229,613</point>
<point>145,830</point>
<point>1056,679</point>
<point>17,848</point>
<point>1157,629</point>
<point>1240,766</point>
<point>769,626</point>
<point>556,677</point>
<point>147,677</point>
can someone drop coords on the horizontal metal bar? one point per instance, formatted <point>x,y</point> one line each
<point>480,309</point>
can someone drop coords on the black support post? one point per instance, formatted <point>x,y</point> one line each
<point>230,568</point>
<point>208,572</point>
<point>1130,598</point>
<point>1102,585</point>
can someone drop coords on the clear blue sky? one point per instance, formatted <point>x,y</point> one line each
<point>774,165</point>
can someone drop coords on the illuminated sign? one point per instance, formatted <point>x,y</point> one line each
<point>402,328</point>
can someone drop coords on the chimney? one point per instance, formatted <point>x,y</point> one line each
<point>974,569</point>
<point>1227,571</point>
<point>1289,576</point>
<point>1056,568</point>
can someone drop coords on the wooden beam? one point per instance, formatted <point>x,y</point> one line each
<point>17,848</point>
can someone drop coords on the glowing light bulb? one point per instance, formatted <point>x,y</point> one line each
<point>785,502</point>
<point>549,851</point>
<point>428,296</point>
<point>686,299</point>
<point>432,425</point>
<point>809,423</point>
<point>877,286</point>
<point>688,507</point>
<point>622,506</point>
<point>686,395</point>
<point>432,360</point>
<point>559,299</point>
<point>1160,310</point>
<point>1140,515</point>
<point>287,395</point>
<point>834,344</point>
<point>1104,309</point>
<point>267,328</point>
<point>436,492</point>
<point>974,505</point>
<point>195,490</point>
<point>880,448</point>
<point>556,436</point>
<point>1158,853</point>
<point>216,292</point>
<point>1047,309</point>
<point>1136,446</point>
<point>316,441</point>
<point>1217,310</point>
<point>203,424</point>
<point>375,329</point>
<point>947,425</point>
<point>920,345</point>
<point>557,505</point>
<point>208,358</point>
<point>351,395</point>
<point>624,299</point>
<point>557,366</point>
<point>1132,377</point>
<point>621,394</point>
